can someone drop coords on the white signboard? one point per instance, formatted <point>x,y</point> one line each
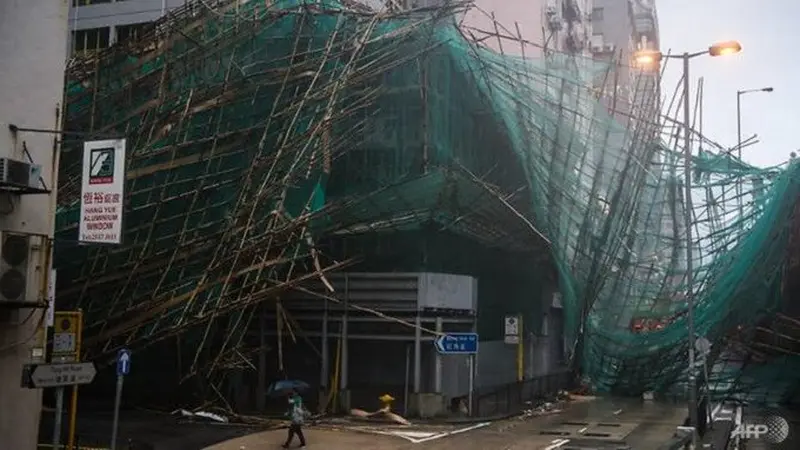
<point>512,327</point>
<point>102,192</point>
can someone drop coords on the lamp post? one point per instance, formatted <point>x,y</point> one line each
<point>739,95</point>
<point>652,58</point>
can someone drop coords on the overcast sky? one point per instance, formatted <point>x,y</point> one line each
<point>769,31</point>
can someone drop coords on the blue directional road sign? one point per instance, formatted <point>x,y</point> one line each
<point>123,362</point>
<point>457,343</point>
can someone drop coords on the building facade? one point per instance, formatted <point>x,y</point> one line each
<point>96,24</point>
<point>619,29</point>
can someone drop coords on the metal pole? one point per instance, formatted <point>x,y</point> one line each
<point>687,169</point>
<point>437,367</point>
<point>417,354</point>
<point>59,412</point>
<point>471,382</point>
<point>408,375</point>
<point>739,124</point>
<point>739,147</point>
<point>325,366</point>
<point>117,401</point>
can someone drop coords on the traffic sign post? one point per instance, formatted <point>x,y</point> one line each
<point>60,375</point>
<point>123,368</point>
<point>38,376</point>
<point>460,344</point>
<point>457,343</point>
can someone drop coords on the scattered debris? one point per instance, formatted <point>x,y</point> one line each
<point>203,416</point>
<point>384,414</point>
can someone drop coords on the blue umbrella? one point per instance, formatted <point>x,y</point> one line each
<point>283,387</point>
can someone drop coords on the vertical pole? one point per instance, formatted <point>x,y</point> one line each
<point>520,351</point>
<point>117,401</point>
<point>325,366</point>
<point>73,404</point>
<point>408,374</point>
<point>687,169</point>
<point>417,353</point>
<point>437,370</point>
<point>739,124</point>
<point>739,148</point>
<point>57,421</point>
<point>261,389</point>
<point>344,362</point>
<point>471,362</point>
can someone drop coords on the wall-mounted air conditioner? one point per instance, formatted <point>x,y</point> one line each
<point>14,255</point>
<point>19,174</point>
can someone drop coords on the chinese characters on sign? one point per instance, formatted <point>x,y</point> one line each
<point>457,343</point>
<point>511,327</point>
<point>102,192</point>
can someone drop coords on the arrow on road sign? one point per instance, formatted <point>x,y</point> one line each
<point>457,343</point>
<point>123,362</point>
<point>68,374</point>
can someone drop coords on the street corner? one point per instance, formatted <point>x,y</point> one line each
<point>418,434</point>
<point>337,439</point>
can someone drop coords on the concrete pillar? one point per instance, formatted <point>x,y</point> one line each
<point>32,35</point>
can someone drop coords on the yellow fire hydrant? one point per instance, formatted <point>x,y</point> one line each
<point>386,400</point>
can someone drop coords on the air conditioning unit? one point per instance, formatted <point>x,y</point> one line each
<point>20,174</point>
<point>14,256</point>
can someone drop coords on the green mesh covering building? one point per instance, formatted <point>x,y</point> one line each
<point>270,143</point>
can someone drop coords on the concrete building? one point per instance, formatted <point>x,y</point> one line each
<point>32,36</point>
<point>96,24</point>
<point>562,26</point>
<point>620,28</point>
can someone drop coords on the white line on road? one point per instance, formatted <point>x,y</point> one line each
<point>558,443</point>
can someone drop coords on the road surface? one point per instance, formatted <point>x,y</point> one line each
<point>599,424</point>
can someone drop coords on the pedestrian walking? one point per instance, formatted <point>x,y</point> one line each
<point>297,413</point>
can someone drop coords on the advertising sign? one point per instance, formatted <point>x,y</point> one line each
<point>102,192</point>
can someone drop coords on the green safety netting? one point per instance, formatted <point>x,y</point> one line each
<point>254,130</point>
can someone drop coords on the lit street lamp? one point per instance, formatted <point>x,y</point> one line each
<point>651,58</point>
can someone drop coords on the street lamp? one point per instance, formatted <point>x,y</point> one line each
<point>739,199</point>
<point>739,115</point>
<point>651,58</point>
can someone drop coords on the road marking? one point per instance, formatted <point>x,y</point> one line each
<point>418,437</point>
<point>451,433</point>
<point>558,443</point>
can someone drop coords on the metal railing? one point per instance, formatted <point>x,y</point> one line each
<point>513,398</point>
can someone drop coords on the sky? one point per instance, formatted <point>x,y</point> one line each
<point>769,31</point>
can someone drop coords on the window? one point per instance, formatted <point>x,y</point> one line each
<point>133,32</point>
<point>597,14</point>
<point>91,39</point>
<point>89,2</point>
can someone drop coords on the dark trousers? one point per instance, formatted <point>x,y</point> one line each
<point>295,429</point>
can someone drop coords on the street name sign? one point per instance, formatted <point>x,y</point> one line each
<point>66,374</point>
<point>457,343</point>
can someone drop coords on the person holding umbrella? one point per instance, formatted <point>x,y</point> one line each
<point>297,413</point>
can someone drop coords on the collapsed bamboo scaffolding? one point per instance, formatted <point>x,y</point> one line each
<point>238,116</point>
